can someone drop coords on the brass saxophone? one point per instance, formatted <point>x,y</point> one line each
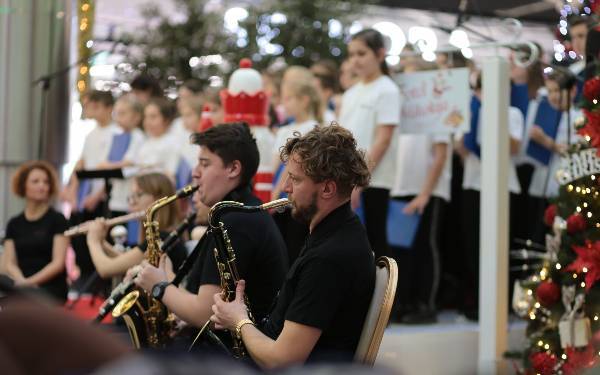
<point>226,262</point>
<point>125,286</point>
<point>148,320</point>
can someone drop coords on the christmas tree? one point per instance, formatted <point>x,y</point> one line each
<point>208,40</point>
<point>195,45</point>
<point>562,300</point>
<point>300,32</point>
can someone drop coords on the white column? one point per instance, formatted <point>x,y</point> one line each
<point>494,219</point>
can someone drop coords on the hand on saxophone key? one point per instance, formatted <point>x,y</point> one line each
<point>226,315</point>
<point>149,276</point>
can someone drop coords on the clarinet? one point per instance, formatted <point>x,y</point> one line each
<point>123,288</point>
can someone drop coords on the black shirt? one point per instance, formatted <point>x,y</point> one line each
<point>261,258</point>
<point>33,245</point>
<point>329,286</point>
<point>177,254</point>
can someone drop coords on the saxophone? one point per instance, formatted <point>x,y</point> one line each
<point>148,320</point>
<point>226,262</point>
<point>125,286</point>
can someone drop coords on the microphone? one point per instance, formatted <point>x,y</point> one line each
<point>174,235</point>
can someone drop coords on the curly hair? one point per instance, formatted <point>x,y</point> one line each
<point>329,153</point>
<point>19,179</point>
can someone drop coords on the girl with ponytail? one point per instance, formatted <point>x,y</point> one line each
<point>371,110</point>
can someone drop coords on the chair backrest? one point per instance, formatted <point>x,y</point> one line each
<point>386,279</point>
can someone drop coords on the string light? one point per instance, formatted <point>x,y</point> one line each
<point>578,209</point>
<point>85,42</point>
<point>570,188</point>
<point>589,214</point>
<point>537,305</point>
<point>529,292</point>
<point>583,284</point>
<point>577,189</point>
<point>532,316</point>
<point>584,269</point>
<point>540,343</point>
<point>564,356</point>
<point>558,266</point>
<point>574,275</point>
<point>585,204</point>
<point>546,346</point>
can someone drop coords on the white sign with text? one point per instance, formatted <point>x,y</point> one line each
<point>435,101</point>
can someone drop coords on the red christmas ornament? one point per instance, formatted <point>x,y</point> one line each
<point>576,223</point>
<point>579,360</point>
<point>543,363</point>
<point>592,118</point>
<point>547,293</point>
<point>549,215</point>
<point>591,89</point>
<point>595,7</point>
<point>588,257</point>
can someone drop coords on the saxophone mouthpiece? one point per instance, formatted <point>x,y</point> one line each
<point>278,205</point>
<point>186,191</point>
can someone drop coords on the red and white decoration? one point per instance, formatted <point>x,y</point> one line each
<point>245,100</point>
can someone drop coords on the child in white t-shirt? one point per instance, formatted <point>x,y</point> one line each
<point>371,110</point>
<point>128,114</point>
<point>423,174</point>
<point>160,150</point>
<point>87,196</point>
<point>302,102</point>
<point>543,181</point>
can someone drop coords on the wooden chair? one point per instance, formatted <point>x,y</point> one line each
<point>386,279</point>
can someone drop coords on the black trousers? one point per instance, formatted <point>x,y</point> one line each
<point>419,267</point>
<point>471,233</point>
<point>375,207</point>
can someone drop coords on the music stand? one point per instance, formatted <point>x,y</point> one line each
<point>105,174</point>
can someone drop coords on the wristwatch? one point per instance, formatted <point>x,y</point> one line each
<point>158,290</point>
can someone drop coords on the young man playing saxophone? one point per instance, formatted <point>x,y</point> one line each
<point>321,308</point>
<point>228,159</point>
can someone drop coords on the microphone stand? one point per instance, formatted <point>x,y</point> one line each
<point>45,81</point>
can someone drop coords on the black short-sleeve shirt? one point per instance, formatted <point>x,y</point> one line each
<point>177,254</point>
<point>329,286</point>
<point>260,252</point>
<point>33,246</point>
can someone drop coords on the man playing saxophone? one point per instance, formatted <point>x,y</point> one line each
<point>228,159</point>
<point>321,308</point>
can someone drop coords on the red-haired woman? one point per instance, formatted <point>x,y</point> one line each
<point>35,247</point>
